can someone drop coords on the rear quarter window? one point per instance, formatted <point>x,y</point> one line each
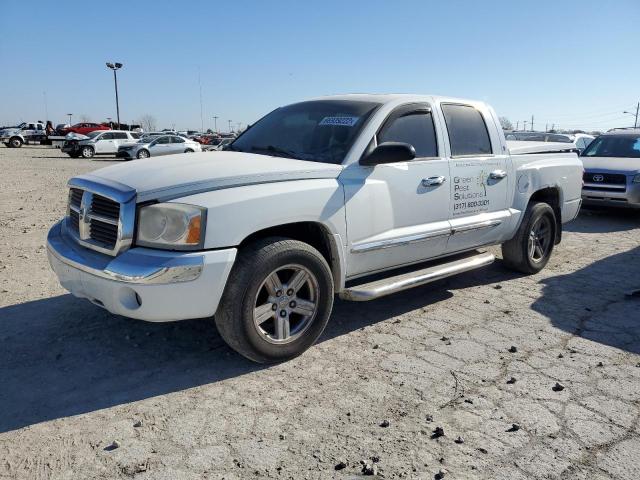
<point>468,134</point>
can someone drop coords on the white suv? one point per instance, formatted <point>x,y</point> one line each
<point>99,142</point>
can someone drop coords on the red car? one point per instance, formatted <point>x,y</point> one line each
<point>84,128</point>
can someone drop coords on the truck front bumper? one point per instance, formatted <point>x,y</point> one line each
<point>142,283</point>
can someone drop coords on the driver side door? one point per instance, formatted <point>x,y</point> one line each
<point>160,146</point>
<point>397,213</point>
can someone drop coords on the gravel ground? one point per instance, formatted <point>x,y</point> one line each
<point>371,395</point>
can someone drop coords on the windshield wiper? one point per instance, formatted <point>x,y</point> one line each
<point>277,150</point>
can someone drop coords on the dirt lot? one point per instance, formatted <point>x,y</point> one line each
<point>385,375</point>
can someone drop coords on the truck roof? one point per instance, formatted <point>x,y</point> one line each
<point>383,98</point>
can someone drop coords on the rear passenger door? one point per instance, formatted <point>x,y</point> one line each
<point>479,177</point>
<point>119,138</point>
<point>177,145</point>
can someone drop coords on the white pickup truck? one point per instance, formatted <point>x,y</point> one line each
<point>356,195</point>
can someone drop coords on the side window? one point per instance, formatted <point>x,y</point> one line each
<point>177,140</point>
<point>468,133</point>
<point>134,134</point>
<point>120,136</point>
<point>31,126</point>
<point>39,126</point>
<point>580,143</point>
<point>413,127</point>
<point>106,136</point>
<point>162,140</point>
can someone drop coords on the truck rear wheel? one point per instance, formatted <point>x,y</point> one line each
<point>530,249</point>
<point>15,142</point>
<point>277,301</point>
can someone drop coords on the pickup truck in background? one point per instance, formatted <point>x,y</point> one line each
<point>26,132</point>
<point>356,195</point>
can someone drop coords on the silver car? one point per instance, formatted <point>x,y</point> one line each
<point>612,169</point>
<point>158,145</point>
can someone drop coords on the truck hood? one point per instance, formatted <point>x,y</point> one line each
<point>625,165</point>
<point>10,131</point>
<point>175,176</point>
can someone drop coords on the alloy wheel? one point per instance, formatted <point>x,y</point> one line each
<point>286,304</point>
<point>540,240</point>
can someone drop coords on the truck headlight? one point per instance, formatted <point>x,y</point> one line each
<point>636,179</point>
<point>171,226</point>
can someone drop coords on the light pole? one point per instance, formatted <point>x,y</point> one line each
<point>635,124</point>
<point>115,67</point>
<point>70,115</point>
<point>109,120</point>
<point>215,124</point>
<point>229,125</point>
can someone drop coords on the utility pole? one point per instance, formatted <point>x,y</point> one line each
<point>115,67</point>
<point>517,125</point>
<point>635,124</point>
<point>229,125</point>
<point>525,125</point>
<point>215,124</point>
<point>46,108</point>
<point>532,123</point>
<point>201,116</point>
<point>546,127</point>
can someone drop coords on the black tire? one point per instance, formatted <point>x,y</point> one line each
<point>87,151</point>
<point>188,150</point>
<point>517,252</point>
<point>143,153</point>
<point>15,142</point>
<point>256,262</point>
<point>73,154</point>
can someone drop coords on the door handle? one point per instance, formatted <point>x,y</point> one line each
<point>497,174</point>
<point>432,181</point>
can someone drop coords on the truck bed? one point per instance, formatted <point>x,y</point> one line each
<point>523,148</point>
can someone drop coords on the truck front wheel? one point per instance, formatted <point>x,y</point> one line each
<point>87,152</point>
<point>15,142</point>
<point>277,301</point>
<point>530,249</point>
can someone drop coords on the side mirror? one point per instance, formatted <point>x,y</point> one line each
<point>389,152</point>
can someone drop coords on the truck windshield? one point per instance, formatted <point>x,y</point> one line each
<point>319,130</point>
<point>614,146</point>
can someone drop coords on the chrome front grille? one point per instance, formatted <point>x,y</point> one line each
<point>101,216</point>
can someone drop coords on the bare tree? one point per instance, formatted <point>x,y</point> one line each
<point>505,123</point>
<point>147,122</point>
<point>84,118</point>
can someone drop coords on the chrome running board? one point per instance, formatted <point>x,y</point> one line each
<point>389,285</point>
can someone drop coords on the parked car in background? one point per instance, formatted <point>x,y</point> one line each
<point>612,169</point>
<point>323,197</point>
<point>26,132</point>
<point>224,143</point>
<point>84,128</point>
<point>154,146</point>
<point>582,140</point>
<point>98,142</point>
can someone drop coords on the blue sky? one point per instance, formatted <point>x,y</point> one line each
<point>572,63</point>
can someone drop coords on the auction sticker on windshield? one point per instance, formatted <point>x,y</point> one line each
<point>339,121</point>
